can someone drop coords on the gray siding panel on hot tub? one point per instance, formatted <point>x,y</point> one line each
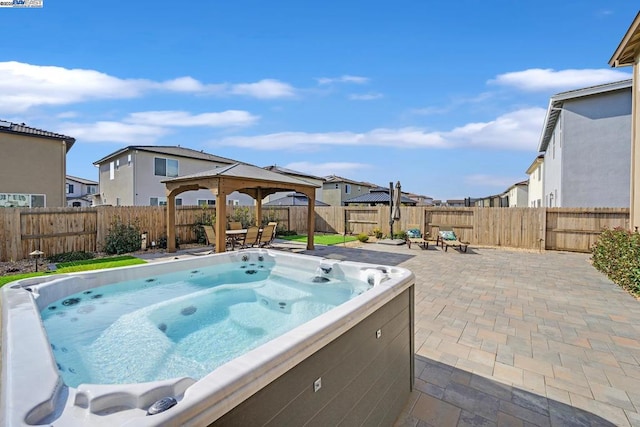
<point>365,380</point>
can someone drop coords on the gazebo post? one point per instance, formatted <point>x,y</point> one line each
<point>171,222</point>
<point>311,218</point>
<point>259,206</point>
<point>221,221</point>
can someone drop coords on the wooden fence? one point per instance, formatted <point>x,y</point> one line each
<point>58,230</point>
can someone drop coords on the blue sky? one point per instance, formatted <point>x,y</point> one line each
<point>449,98</point>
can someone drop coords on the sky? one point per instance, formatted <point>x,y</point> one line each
<point>449,98</point>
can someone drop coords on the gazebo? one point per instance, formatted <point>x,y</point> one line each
<point>222,181</point>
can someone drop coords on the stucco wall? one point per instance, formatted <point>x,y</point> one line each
<point>32,165</point>
<point>596,151</point>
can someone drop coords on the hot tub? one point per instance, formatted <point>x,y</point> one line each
<point>349,357</point>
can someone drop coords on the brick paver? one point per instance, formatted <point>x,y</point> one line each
<point>514,338</point>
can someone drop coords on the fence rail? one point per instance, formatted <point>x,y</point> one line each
<point>57,230</point>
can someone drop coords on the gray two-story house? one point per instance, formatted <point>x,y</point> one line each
<point>586,142</point>
<point>132,176</point>
<point>336,189</point>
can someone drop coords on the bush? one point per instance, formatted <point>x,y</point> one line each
<point>377,232</point>
<point>70,257</point>
<point>198,229</point>
<point>617,254</point>
<point>243,215</point>
<point>401,235</point>
<point>162,242</point>
<point>362,237</point>
<point>122,238</point>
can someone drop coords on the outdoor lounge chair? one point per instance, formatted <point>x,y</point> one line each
<point>266,236</point>
<point>447,237</point>
<point>210,232</point>
<point>414,235</point>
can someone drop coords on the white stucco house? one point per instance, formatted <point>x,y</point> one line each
<point>535,194</point>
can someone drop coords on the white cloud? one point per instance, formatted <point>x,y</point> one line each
<point>114,132</point>
<point>325,169</point>
<point>264,89</point>
<point>184,119</point>
<point>501,182</point>
<point>517,130</point>
<point>538,79</point>
<point>24,86</point>
<point>343,79</point>
<point>365,96</point>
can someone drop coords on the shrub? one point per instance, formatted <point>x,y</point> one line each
<point>243,215</point>
<point>377,232</point>
<point>401,235</point>
<point>617,254</point>
<point>122,238</point>
<point>198,229</point>
<point>162,242</point>
<point>70,257</point>
<point>363,237</point>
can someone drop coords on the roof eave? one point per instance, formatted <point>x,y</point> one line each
<point>629,47</point>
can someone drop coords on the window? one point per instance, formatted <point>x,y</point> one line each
<point>76,204</point>
<point>166,167</point>
<point>347,188</point>
<point>206,202</point>
<point>233,202</point>
<point>91,189</point>
<point>37,201</point>
<point>162,201</point>
<point>117,164</point>
<point>69,188</point>
<point>117,201</point>
<point>9,200</point>
<point>112,170</point>
<point>129,160</point>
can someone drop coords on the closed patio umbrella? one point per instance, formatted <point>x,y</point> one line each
<point>397,195</point>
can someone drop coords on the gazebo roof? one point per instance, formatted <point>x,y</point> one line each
<point>245,178</point>
<point>629,47</point>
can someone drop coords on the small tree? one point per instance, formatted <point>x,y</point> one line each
<point>122,238</point>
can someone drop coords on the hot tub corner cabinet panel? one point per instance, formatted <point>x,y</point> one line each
<point>364,379</point>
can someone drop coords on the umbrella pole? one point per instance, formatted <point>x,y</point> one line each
<point>391,208</point>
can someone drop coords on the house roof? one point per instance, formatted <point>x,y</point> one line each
<point>378,195</point>
<point>81,180</point>
<point>280,169</point>
<point>335,178</point>
<point>293,199</point>
<point>27,130</point>
<point>175,150</point>
<point>629,48</point>
<point>538,160</point>
<point>556,102</point>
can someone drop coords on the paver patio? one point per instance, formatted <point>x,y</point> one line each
<point>514,338</point>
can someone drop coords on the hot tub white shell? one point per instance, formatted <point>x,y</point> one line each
<point>33,393</point>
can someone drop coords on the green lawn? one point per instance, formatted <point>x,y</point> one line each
<point>75,266</point>
<point>321,239</point>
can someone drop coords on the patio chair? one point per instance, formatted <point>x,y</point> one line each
<point>414,235</point>
<point>235,225</point>
<point>266,237</point>
<point>447,237</point>
<point>250,238</point>
<point>210,232</point>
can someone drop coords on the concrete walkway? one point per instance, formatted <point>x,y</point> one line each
<point>514,338</point>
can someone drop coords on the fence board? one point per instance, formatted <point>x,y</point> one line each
<point>57,230</point>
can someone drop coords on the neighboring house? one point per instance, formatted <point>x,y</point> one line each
<point>627,54</point>
<point>420,199</point>
<point>293,199</point>
<point>33,166</point>
<point>586,142</point>
<point>295,174</point>
<point>517,195</point>
<point>495,201</point>
<point>336,190</point>
<point>536,190</point>
<point>80,191</point>
<point>132,176</point>
<point>377,196</point>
